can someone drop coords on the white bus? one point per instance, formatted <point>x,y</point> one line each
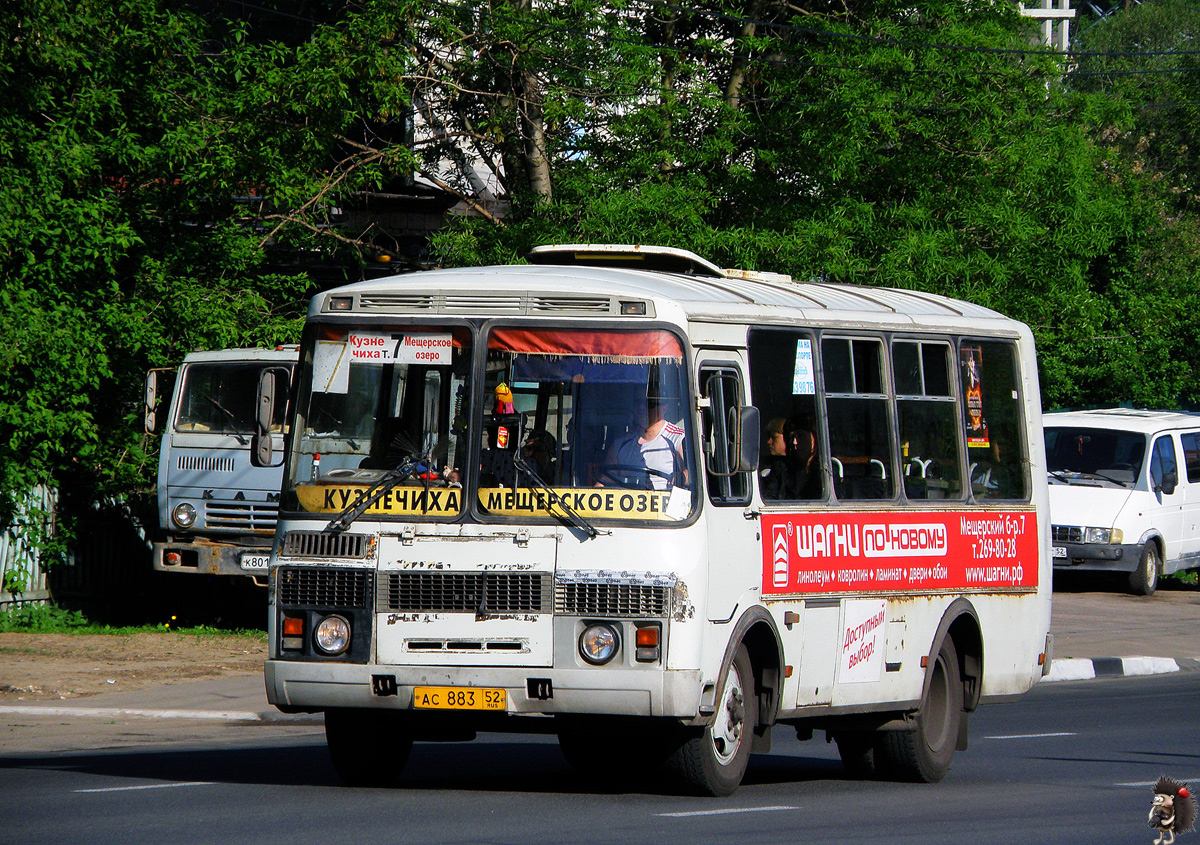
<point>553,497</point>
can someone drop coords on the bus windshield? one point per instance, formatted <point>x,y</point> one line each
<point>596,418</point>
<point>381,405</point>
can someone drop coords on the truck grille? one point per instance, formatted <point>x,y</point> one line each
<point>464,592</point>
<point>241,516</point>
<point>325,544</point>
<point>309,587</point>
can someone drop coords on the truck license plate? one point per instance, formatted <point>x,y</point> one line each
<point>458,698</point>
<point>1059,551</point>
<point>255,563</point>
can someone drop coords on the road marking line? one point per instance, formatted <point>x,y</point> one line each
<point>1032,736</point>
<point>149,786</point>
<point>724,812</point>
<point>1153,782</point>
<point>124,713</point>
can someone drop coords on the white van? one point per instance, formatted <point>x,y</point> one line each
<point>1125,492</point>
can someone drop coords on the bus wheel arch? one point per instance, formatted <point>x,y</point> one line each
<point>712,759</point>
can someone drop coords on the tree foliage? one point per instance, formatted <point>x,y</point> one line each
<point>167,171</point>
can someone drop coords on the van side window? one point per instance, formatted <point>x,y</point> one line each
<point>927,419</point>
<point>1191,455</point>
<point>1162,462</point>
<point>996,451</point>
<point>859,428</point>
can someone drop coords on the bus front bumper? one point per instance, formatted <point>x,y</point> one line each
<point>299,686</point>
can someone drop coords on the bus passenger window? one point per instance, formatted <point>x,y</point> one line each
<point>782,378</point>
<point>857,409</point>
<point>996,451</point>
<point>926,417</point>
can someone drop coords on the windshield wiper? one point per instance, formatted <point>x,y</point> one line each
<point>568,515</point>
<point>374,493</point>
<point>232,419</point>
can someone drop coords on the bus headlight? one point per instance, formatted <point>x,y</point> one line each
<point>598,644</point>
<point>332,635</point>
<point>184,515</point>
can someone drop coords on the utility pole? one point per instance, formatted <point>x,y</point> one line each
<point>1055,16</point>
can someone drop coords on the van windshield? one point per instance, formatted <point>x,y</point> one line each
<point>1095,455</point>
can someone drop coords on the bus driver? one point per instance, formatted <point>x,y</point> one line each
<point>650,456</point>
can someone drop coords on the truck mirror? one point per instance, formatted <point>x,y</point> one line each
<point>151,401</point>
<point>264,418</point>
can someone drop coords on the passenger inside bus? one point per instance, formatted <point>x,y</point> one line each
<point>791,470</point>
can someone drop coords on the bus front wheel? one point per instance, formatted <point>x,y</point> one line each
<point>713,761</point>
<point>923,753</point>
<point>368,747</point>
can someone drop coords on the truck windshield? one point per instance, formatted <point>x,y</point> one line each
<point>1098,453</point>
<point>376,404</point>
<point>220,397</point>
<point>597,416</point>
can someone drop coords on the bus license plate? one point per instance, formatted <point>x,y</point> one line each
<point>458,698</point>
<point>255,563</point>
<point>1059,551</point>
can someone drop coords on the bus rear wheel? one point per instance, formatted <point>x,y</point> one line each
<point>713,761</point>
<point>368,747</point>
<point>923,754</point>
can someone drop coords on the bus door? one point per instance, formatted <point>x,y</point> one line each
<point>733,540</point>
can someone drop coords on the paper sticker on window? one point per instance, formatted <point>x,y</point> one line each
<point>331,367</point>
<point>803,381</point>
<point>400,348</point>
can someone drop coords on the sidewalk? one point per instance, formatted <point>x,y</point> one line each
<point>1096,634</point>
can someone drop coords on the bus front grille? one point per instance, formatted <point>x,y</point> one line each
<point>481,593</point>
<point>324,544</point>
<point>612,597</point>
<point>310,587</point>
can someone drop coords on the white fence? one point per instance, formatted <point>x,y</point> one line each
<point>22,576</point>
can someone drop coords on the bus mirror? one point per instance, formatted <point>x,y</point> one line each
<point>745,426</point>
<point>151,401</point>
<point>265,418</point>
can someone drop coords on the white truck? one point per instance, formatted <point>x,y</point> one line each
<point>218,482</point>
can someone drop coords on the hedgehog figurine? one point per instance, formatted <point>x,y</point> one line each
<point>1173,810</point>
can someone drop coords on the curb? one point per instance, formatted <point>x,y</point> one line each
<point>131,713</point>
<point>1086,668</point>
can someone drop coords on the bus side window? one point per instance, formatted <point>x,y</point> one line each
<point>859,429</point>
<point>723,388</point>
<point>996,451</point>
<point>926,417</point>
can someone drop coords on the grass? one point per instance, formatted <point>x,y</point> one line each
<point>50,619</point>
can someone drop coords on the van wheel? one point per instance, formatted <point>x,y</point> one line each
<point>1143,581</point>
<point>368,747</point>
<point>713,760</point>
<point>923,754</point>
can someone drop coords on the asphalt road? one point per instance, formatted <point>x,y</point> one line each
<point>1070,762</point>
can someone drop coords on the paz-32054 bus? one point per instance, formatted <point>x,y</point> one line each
<point>657,508</point>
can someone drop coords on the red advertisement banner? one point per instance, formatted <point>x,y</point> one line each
<point>917,551</point>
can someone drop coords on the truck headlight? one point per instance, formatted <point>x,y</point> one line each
<point>332,635</point>
<point>598,644</point>
<point>184,515</point>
